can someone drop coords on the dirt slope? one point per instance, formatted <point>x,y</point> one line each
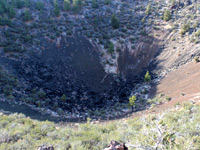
<point>181,85</point>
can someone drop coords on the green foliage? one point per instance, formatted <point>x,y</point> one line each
<point>175,129</point>
<point>111,48</point>
<point>1,10</point>
<point>27,16</point>
<point>7,81</point>
<point>95,4</point>
<point>27,3</point>
<point>7,90</point>
<point>196,59</point>
<point>147,77</point>
<point>197,34</point>
<point>63,98</point>
<point>107,2</point>
<point>167,15</point>
<point>5,21</point>
<point>66,5</point>
<point>41,94</point>
<point>148,9</point>
<point>19,4</point>
<point>195,25</point>
<point>185,28</point>
<point>56,9</point>
<point>115,22</point>
<point>27,38</point>
<point>11,12</point>
<point>39,6</point>
<point>132,101</point>
<point>77,5</point>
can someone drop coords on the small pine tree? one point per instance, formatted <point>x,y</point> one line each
<point>114,22</point>
<point>147,77</point>
<point>66,5</point>
<point>148,9</point>
<point>132,101</point>
<point>167,15</point>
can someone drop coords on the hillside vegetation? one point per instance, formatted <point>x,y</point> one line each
<point>175,129</point>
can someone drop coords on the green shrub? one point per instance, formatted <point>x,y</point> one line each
<point>27,3</point>
<point>19,4</point>
<point>107,2</point>
<point>197,34</point>
<point>39,6</point>
<point>66,5</point>
<point>63,98</point>
<point>27,16</point>
<point>11,12</point>
<point>95,4</point>
<point>185,28</point>
<point>167,15</point>
<point>5,21</point>
<point>196,59</point>
<point>1,10</point>
<point>111,48</point>
<point>7,90</point>
<point>167,98</point>
<point>41,94</point>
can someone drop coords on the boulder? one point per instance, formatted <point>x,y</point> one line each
<point>114,145</point>
<point>43,147</point>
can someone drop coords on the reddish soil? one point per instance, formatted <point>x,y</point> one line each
<point>180,85</point>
